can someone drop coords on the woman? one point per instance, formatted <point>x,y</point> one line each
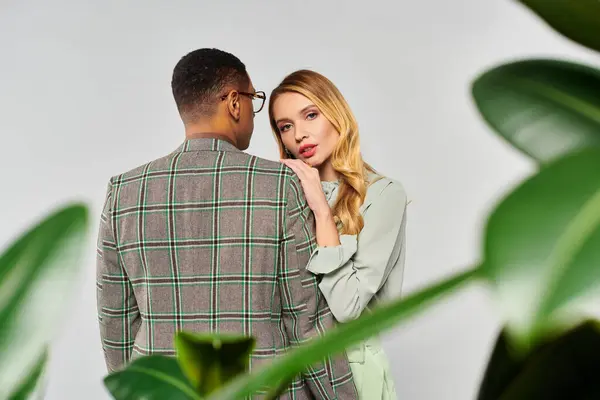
<point>360,215</point>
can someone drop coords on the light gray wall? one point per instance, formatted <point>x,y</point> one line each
<point>84,94</point>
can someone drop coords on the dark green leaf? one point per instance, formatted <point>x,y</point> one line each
<point>32,384</point>
<point>150,378</point>
<point>541,247</point>
<point>340,338</point>
<point>36,276</point>
<point>210,361</point>
<point>578,20</point>
<point>545,108</point>
<point>565,368</point>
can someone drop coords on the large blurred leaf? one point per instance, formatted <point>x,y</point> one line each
<point>36,275</point>
<point>33,383</point>
<point>210,361</point>
<point>545,108</point>
<point>542,247</point>
<point>566,368</point>
<point>340,338</point>
<point>579,20</point>
<point>150,378</point>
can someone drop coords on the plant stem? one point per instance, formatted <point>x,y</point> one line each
<point>341,337</point>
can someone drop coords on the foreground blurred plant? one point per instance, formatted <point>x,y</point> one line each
<point>540,256</point>
<point>36,275</point>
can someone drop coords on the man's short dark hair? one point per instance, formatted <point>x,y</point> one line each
<point>201,76</point>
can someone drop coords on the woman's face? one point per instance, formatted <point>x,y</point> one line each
<point>304,130</point>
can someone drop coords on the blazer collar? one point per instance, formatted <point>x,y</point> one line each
<point>208,144</point>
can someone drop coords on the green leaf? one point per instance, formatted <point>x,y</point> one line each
<point>577,20</point>
<point>565,368</point>
<point>210,361</point>
<point>32,383</point>
<point>152,377</point>
<point>36,276</point>
<point>545,108</point>
<point>340,338</point>
<point>541,248</point>
<point>504,366</point>
<point>279,389</point>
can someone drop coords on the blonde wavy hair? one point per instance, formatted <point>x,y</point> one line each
<point>346,158</point>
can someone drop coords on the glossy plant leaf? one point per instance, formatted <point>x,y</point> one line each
<point>577,20</point>
<point>503,367</point>
<point>33,383</point>
<point>152,377</point>
<point>545,108</point>
<point>36,276</point>
<point>340,338</point>
<point>565,368</point>
<point>210,361</point>
<point>541,247</point>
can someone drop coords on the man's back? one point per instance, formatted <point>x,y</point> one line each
<point>211,239</point>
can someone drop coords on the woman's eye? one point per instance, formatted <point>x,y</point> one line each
<point>284,128</point>
<point>311,115</point>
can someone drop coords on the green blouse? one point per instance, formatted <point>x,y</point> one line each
<point>367,268</point>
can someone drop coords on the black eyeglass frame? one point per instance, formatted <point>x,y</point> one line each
<point>256,95</point>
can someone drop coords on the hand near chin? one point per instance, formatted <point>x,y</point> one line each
<point>311,184</point>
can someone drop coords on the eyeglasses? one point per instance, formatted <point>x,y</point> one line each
<point>258,99</point>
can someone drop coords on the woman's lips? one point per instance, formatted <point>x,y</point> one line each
<point>308,151</point>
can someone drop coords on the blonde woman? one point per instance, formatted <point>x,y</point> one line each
<point>360,215</point>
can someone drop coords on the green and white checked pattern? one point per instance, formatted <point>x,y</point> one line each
<point>211,239</point>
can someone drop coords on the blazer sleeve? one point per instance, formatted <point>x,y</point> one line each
<point>304,311</point>
<point>118,313</point>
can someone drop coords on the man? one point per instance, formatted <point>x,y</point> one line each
<point>211,239</point>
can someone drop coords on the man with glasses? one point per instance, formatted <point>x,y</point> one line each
<point>211,239</point>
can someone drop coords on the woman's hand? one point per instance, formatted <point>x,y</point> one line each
<point>327,233</point>
<point>311,184</point>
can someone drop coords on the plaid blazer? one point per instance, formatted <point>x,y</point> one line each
<point>212,239</point>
